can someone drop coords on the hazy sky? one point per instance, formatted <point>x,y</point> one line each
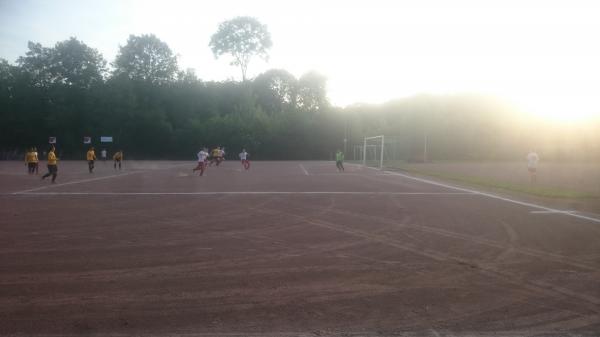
<point>542,55</point>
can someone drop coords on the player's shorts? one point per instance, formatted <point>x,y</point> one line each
<point>52,168</point>
<point>31,165</point>
<point>532,169</point>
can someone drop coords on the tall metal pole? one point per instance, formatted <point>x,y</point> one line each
<point>365,152</point>
<point>425,149</point>
<point>345,135</point>
<point>381,160</point>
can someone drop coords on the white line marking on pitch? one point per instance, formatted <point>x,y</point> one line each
<point>551,212</point>
<point>435,333</point>
<point>303,169</point>
<point>246,193</point>
<point>75,182</point>
<point>493,196</point>
<point>94,179</point>
<point>337,174</point>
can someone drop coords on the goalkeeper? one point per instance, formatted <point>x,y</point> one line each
<point>339,160</point>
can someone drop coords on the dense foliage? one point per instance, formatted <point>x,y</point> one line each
<point>156,111</point>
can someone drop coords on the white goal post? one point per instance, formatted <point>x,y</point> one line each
<point>365,150</point>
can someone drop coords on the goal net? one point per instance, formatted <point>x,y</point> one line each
<point>389,151</point>
<point>372,151</point>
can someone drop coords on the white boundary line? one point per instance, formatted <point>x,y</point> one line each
<point>95,179</point>
<point>75,182</point>
<point>303,169</point>
<point>497,197</point>
<point>246,193</point>
<point>551,212</point>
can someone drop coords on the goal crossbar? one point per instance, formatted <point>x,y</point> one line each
<point>365,150</point>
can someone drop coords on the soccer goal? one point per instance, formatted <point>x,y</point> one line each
<point>373,149</point>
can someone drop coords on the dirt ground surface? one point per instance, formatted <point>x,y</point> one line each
<point>286,249</point>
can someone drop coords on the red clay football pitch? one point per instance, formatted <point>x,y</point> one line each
<point>286,249</point>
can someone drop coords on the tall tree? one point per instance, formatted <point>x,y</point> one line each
<point>313,92</point>
<point>277,90</point>
<point>242,37</point>
<point>37,64</point>
<point>146,58</point>
<point>76,64</point>
<point>70,62</point>
<point>6,78</point>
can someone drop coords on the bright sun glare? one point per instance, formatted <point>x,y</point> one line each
<point>563,109</point>
<point>536,55</point>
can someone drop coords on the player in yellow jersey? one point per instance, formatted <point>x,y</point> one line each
<point>52,165</point>
<point>215,156</point>
<point>91,156</point>
<point>36,160</point>
<point>118,157</point>
<point>30,161</point>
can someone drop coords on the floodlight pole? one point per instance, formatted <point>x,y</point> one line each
<point>381,160</point>
<point>365,152</point>
<point>425,149</point>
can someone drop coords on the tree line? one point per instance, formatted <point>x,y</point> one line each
<point>470,127</point>
<point>155,110</point>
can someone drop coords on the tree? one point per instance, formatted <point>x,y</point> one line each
<point>70,62</point>
<point>242,37</point>
<point>76,64</point>
<point>277,90</point>
<point>37,64</point>
<point>7,77</point>
<point>146,58</point>
<point>312,93</point>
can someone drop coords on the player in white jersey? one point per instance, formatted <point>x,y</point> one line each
<point>244,157</point>
<point>532,162</point>
<point>202,158</point>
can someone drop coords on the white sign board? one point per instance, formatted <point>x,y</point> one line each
<point>87,140</point>
<point>106,139</point>
<point>52,140</point>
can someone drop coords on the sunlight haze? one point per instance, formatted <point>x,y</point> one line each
<point>543,56</point>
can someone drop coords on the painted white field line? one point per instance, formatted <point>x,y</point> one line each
<point>99,178</point>
<point>246,193</point>
<point>337,174</point>
<point>75,182</point>
<point>303,169</point>
<point>13,174</point>
<point>434,333</point>
<point>552,212</point>
<point>493,196</point>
